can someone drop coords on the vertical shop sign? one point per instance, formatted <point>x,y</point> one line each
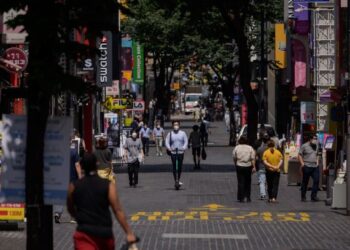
<point>308,112</point>
<point>105,60</point>
<point>138,69</point>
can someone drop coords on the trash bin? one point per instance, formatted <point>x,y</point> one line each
<point>294,175</point>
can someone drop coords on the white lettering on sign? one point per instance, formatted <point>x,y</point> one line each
<point>139,106</point>
<point>103,61</point>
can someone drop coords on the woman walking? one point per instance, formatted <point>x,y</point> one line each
<point>104,159</point>
<point>89,201</point>
<point>244,159</point>
<point>273,161</point>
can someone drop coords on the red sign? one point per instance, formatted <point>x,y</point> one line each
<point>15,59</point>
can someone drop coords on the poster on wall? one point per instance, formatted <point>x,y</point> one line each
<point>308,112</point>
<point>111,128</point>
<point>56,159</point>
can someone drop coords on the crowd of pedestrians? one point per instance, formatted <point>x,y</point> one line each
<point>92,190</point>
<point>267,161</point>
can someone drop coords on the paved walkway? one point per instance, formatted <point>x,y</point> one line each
<point>204,214</point>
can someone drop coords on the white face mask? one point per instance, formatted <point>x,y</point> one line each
<point>176,127</point>
<point>134,135</point>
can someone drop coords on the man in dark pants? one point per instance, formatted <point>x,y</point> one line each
<point>132,152</point>
<point>309,167</point>
<point>195,143</point>
<point>176,142</point>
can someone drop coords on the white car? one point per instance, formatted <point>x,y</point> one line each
<point>192,102</point>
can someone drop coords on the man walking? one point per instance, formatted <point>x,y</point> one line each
<point>195,143</point>
<point>158,135</point>
<point>132,152</point>
<point>145,134</point>
<point>176,143</point>
<point>309,167</point>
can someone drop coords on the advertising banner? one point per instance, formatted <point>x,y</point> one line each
<point>56,159</point>
<point>138,67</point>
<point>10,35</point>
<point>300,68</point>
<point>111,129</point>
<point>280,45</point>
<point>308,112</point>
<point>114,90</point>
<point>104,61</point>
<point>12,211</point>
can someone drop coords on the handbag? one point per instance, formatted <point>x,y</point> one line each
<point>168,152</point>
<point>204,154</point>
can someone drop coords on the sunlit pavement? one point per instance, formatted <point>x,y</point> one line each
<point>204,213</point>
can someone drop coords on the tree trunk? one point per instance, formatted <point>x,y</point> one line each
<point>41,61</point>
<point>245,77</point>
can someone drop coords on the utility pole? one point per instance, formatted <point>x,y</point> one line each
<point>348,111</point>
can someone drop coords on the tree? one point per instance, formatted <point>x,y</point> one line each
<point>240,17</point>
<point>49,24</point>
<point>162,32</point>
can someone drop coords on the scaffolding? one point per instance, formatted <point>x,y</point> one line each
<point>324,47</point>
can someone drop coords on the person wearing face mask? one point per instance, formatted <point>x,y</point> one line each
<point>176,142</point>
<point>309,167</point>
<point>132,153</point>
<point>158,135</point>
<point>145,134</point>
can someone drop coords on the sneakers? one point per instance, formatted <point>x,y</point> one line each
<point>180,183</point>
<point>177,185</point>
<point>57,218</point>
<point>263,197</point>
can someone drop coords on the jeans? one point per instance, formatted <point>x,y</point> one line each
<point>133,171</point>
<point>177,160</point>
<point>244,179</point>
<point>145,144</point>
<point>159,145</point>
<point>314,173</point>
<point>262,182</point>
<point>273,180</point>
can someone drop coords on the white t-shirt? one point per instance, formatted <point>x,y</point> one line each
<point>243,155</point>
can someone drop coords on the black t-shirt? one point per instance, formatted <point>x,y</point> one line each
<point>90,198</point>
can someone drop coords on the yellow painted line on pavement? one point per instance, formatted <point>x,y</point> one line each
<point>215,212</point>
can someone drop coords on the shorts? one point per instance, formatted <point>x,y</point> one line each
<point>196,151</point>
<point>83,241</point>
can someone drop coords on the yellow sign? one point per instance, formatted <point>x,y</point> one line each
<point>117,103</point>
<point>175,86</point>
<point>216,212</point>
<point>127,74</point>
<point>280,45</point>
<point>12,211</point>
